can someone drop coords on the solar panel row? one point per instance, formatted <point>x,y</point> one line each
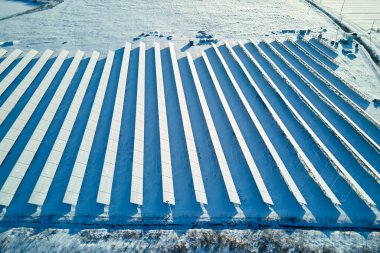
<point>76,178</point>
<point>23,118</point>
<point>196,174</point>
<point>366,165</point>
<point>13,74</point>
<point>106,180</point>
<point>10,58</point>
<point>23,163</point>
<point>2,52</point>
<point>333,105</point>
<point>12,100</point>
<point>48,172</point>
<point>335,162</point>
<point>138,147</point>
<point>226,174</point>
<point>313,172</point>
<point>166,162</point>
<point>239,136</point>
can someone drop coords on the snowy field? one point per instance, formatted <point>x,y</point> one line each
<point>9,8</point>
<point>301,110</point>
<point>193,240</point>
<point>364,14</point>
<point>80,25</point>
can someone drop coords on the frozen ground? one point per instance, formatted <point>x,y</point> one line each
<point>360,14</point>
<point>81,25</point>
<point>11,7</point>
<point>193,240</point>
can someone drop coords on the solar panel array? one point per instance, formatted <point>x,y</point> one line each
<point>2,52</point>
<point>106,180</point>
<point>355,186</point>
<point>77,174</point>
<point>166,161</point>
<point>7,81</point>
<point>32,69</point>
<point>48,172</point>
<point>304,159</point>
<point>23,118</point>
<point>200,193</point>
<point>228,181</point>
<point>239,136</point>
<point>13,99</point>
<point>18,172</point>
<point>10,58</point>
<point>138,147</point>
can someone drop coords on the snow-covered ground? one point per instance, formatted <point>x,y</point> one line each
<point>362,14</point>
<point>80,25</point>
<point>12,7</point>
<point>193,240</point>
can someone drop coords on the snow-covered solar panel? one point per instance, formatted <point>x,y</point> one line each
<point>303,158</point>
<point>13,74</point>
<point>10,58</point>
<point>351,87</point>
<point>19,170</point>
<point>166,162</point>
<point>226,174</point>
<point>12,100</point>
<point>19,124</point>
<point>2,52</point>
<point>80,165</point>
<point>196,174</point>
<point>73,188</point>
<point>48,172</point>
<point>239,136</point>
<point>335,162</point>
<point>333,105</point>
<point>366,165</point>
<point>280,164</point>
<point>323,54</point>
<point>106,180</point>
<point>138,147</point>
